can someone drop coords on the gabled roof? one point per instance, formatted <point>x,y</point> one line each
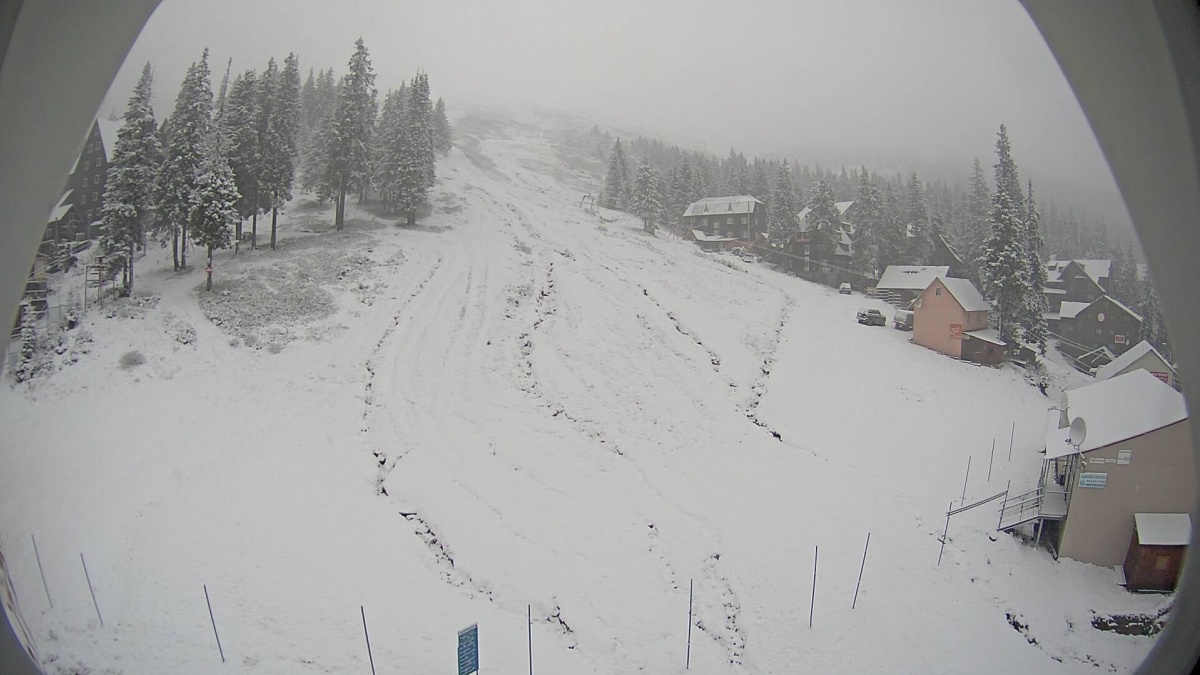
<point>108,136</point>
<point>1116,410</point>
<point>60,209</point>
<point>1125,360</point>
<point>1095,269</point>
<point>841,207</point>
<point>987,335</point>
<point>700,236</point>
<point>953,254</point>
<point>966,294</point>
<point>911,277</point>
<point>1069,309</point>
<point>719,206</point>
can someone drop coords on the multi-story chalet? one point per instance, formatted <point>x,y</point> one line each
<point>1104,322</point>
<point>740,217</point>
<point>1076,281</point>
<point>945,255</point>
<point>811,263</point>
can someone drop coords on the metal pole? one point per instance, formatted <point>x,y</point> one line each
<point>990,458</point>
<point>214,623</point>
<point>89,582</point>
<point>41,571</point>
<point>945,531</point>
<point>1006,489</point>
<point>1012,434</point>
<point>812,601</point>
<point>860,571</point>
<point>529,625</point>
<point>368,637</point>
<point>688,659</point>
<point>964,494</point>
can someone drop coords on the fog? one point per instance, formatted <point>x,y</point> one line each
<point>899,86</point>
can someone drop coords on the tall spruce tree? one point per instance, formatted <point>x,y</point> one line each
<point>646,201</point>
<point>1154,328</point>
<point>918,238</point>
<point>128,197</point>
<point>214,204</point>
<point>443,134</point>
<point>279,140</point>
<point>242,122</point>
<point>341,160</point>
<point>415,155</point>
<point>1005,260</point>
<point>868,225</point>
<point>822,221</point>
<point>189,130</point>
<point>782,214</point>
<point>979,219</point>
<point>616,181</point>
<point>1033,323</point>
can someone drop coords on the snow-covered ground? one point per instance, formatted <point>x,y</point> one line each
<point>517,404</point>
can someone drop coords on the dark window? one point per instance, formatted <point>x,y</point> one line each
<point>937,291</point>
<point>95,197</point>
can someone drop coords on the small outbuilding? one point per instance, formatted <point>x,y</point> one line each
<point>1155,556</point>
<point>1142,356</point>
<point>951,317</point>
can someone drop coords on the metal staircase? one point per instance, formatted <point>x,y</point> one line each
<point>1038,504</point>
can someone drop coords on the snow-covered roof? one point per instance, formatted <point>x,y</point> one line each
<point>1125,360</point>
<point>1070,309</point>
<point>108,136</point>
<point>966,294</point>
<point>1055,291</point>
<point>1120,304</point>
<point>1163,529</point>
<point>841,207</point>
<point>717,206</point>
<point>1096,269</point>
<point>987,335</point>
<point>1116,410</point>
<point>700,236</point>
<point>61,208</point>
<point>911,277</point>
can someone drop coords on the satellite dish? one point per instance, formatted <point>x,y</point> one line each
<point>1078,432</point>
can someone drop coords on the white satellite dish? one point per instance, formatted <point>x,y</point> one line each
<point>1078,432</point>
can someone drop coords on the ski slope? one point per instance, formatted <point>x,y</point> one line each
<point>518,404</point>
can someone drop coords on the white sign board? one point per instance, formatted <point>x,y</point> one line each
<point>1123,456</point>
<point>1093,480</point>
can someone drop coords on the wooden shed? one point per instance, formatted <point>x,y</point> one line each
<point>1156,552</point>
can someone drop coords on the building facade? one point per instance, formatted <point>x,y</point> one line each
<point>741,217</point>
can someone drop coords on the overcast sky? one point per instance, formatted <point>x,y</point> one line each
<point>897,85</point>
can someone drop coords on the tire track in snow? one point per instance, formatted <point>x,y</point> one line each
<point>449,571</point>
<point>372,366</point>
<point>725,630</point>
<point>759,388</point>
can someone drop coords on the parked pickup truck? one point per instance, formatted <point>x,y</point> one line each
<point>871,317</point>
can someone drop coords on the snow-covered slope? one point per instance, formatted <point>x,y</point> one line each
<point>519,405</point>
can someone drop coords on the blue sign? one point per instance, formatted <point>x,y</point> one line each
<point>468,650</point>
<point>1093,480</point>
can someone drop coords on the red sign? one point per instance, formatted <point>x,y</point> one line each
<point>1119,339</point>
<point>956,331</point>
<point>1162,376</point>
<point>208,269</point>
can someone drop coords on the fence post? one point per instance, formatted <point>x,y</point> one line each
<point>860,571</point>
<point>813,600</point>
<point>968,475</point>
<point>529,627</point>
<point>1011,435</point>
<point>42,572</point>
<point>368,637</point>
<point>90,590</point>
<point>214,623</point>
<point>688,659</point>
<point>945,531</point>
<point>990,458</point>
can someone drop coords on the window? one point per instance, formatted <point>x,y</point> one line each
<point>85,165</point>
<point>89,215</point>
<point>95,197</point>
<point>937,291</point>
<point>729,220</point>
<point>96,179</point>
<point>743,220</point>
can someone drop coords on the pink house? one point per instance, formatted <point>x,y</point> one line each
<point>950,316</point>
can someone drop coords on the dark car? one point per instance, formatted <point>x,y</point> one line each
<point>871,317</point>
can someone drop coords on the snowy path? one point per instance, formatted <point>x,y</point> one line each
<point>516,404</point>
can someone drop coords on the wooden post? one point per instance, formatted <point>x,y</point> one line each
<point>945,531</point>
<point>687,664</point>
<point>89,583</point>
<point>214,623</point>
<point>812,601</point>
<point>368,637</point>
<point>529,626</point>
<point>41,571</point>
<point>990,458</point>
<point>860,571</point>
<point>964,494</point>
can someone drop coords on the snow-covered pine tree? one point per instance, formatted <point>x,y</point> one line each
<point>782,213</point>
<point>616,181</point>
<point>242,119</point>
<point>128,198</point>
<point>822,221</point>
<point>280,139</point>
<point>760,187</point>
<point>681,190</point>
<point>27,358</point>
<point>1005,260</point>
<point>647,198</point>
<point>340,162</point>
<point>865,255</point>
<point>443,133</point>
<point>418,116</point>
<point>979,218</point>
<point>388,149</point>
<point>214,206</point>
<point>414,151</point>
<point>189,131</point>
<point>1033,323</point>
<point>918,241</point>
<point>1154,329</point>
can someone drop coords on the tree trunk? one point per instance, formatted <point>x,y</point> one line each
<point>254,229</point>
<point>175,245</point>
<point>412,217</point>
<point>183,246</point>
<point>208,271</point>
<point>274,215</point>
<point>340,212</point>
<point>129,286</point>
